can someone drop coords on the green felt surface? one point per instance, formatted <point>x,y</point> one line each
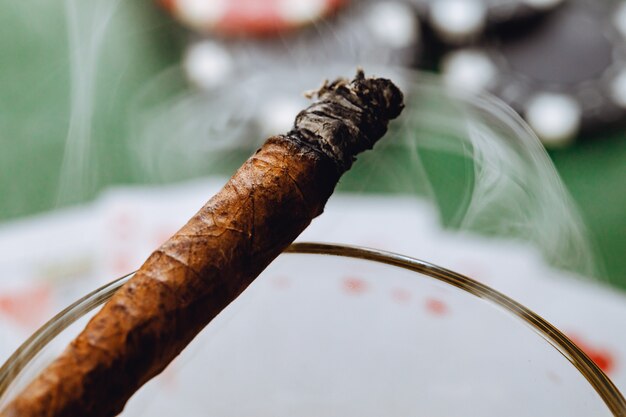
<point>35,96</point>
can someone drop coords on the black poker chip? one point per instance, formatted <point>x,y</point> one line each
<point>566,74</point>
<point>364,32</point>
<point>458,22</point>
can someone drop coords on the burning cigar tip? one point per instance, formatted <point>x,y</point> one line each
<point>348,116</point>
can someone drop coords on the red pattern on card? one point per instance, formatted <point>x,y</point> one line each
<point>436,307</point>
<point>281,282</point>
<point>28,307</point>
<point>122,264</point>
<point>401,295</point>
<point>122,223</point>
<point>602,357</point>
<point>355,286</point>
<point>162,235</point>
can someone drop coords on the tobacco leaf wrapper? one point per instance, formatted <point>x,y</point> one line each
<point>186,282</point>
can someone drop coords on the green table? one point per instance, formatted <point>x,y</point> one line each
<point>141,42</point>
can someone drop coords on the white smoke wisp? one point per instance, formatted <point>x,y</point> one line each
<point>511,188</point>
<point>518,180</point>
<point>87,24</point>
<point>181,136</point>
<point>514,189</point>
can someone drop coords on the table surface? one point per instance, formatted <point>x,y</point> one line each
<point>141,42</point>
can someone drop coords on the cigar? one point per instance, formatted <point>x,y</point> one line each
<point>193,276</point>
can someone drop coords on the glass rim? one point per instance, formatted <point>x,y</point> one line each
<point>605,388</point>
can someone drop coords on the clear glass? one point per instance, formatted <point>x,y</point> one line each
<point>360,332</point>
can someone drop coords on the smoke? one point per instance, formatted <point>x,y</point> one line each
<point>471,156</point>
<point>512,188</point>
<point>87,24</point>
<point>503,182</point>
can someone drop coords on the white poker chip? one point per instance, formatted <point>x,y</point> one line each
<point>554,117</point>
<point>458,20</point>
<point>392,23</point>
<point>469,70</point>
<point>249,17</point>
<point>207,64</point>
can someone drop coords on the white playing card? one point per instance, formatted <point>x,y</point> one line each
<point>49,261</point>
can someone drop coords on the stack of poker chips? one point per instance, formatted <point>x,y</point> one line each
<point>233,40</point>
<point>251,35</point>
<point>561,64</point>
<point>564,72</point>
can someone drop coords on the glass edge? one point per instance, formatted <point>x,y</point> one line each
<point>605,388</point>
<point>49,330</point>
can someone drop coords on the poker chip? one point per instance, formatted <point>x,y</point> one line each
<point>367,32</point>
<point>207,64</point>
<point>463,21</point>
<point>249,17</point>
<point>364,33</point>
<point>565,74</point>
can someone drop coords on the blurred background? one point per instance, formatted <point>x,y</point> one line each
<point>75,78</point>
<point>109,108</point>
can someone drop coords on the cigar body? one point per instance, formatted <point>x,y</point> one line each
<point>186,282</point>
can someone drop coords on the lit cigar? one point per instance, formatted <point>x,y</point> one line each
<point>186,282</point>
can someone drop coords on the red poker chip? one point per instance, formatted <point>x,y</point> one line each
<point>249,17</point>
